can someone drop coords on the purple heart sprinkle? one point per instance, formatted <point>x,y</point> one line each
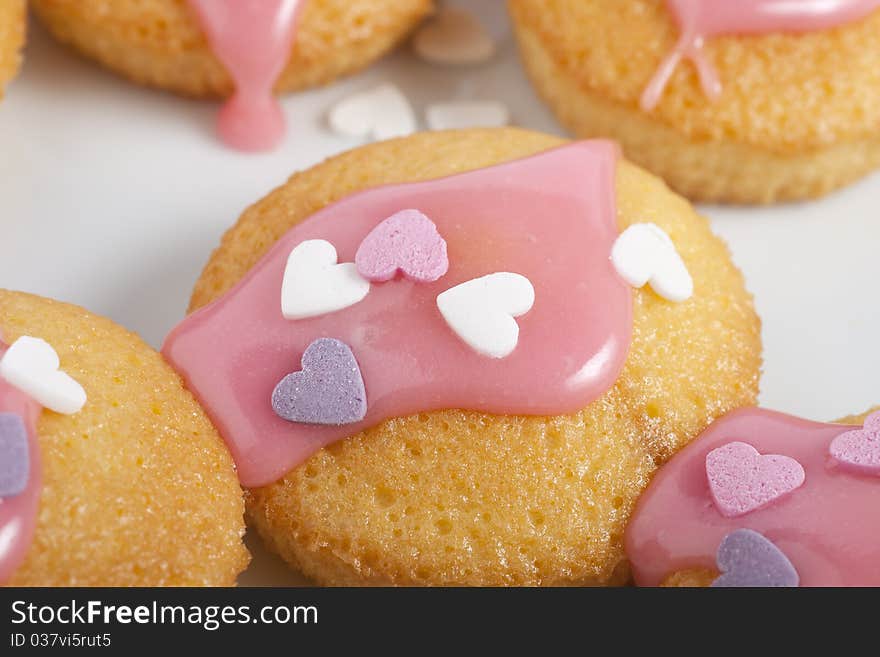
<point>328,390</point>
<point>747,559</point>
<point>14,456</point>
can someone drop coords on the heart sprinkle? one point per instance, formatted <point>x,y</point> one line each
<point>31,365</point>
<point>467,114</point>
<point>747,559</point>
<point>453,37</point>
<point>407,242</point>
<point>328,390</point>
<point>742,480</point>
<point>644,253</point>
<point>314,284</point>
<point>859,450</point>
<point>380,113</point>
<point>14,456</point>
<point>481,311</point>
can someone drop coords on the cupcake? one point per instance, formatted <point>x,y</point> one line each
<point>110,473</point>
<point>12,30</point>
<point>758,101</point>
<point>457,358</point>
<point>241,50</point>
<point>763,499</point>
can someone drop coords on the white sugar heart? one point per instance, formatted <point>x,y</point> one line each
<point>481,311</point>
<point>380,113</point>
<point>31,365</point>
<point>467,114</point>
<point>644,253</point>
<point>314,284</point>
<point>454,37</point>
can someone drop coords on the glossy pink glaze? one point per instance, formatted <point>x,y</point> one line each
<point>18,514</point>
<point>699,20</point>
<point>829,528</point>
<point>253,39</point>
<point>550,217</point>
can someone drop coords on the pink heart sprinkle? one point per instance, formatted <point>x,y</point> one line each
<point>407,242</point>
<point>742,480</point>
<point>859,450</point>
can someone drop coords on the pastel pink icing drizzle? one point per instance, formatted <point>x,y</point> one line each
<point>550,217</point>
<point>253,39</point>
<point>829,527</point>
<point>18,514</point>
<point>699,20</point>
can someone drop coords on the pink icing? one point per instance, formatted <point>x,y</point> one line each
<point>253,39</point>
<point>18,514</point>
<point>550,217</point>
<point>829,527</point>
<point>699,20</point>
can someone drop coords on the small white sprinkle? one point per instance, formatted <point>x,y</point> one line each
<point>379,113</point>
<point>467,114</point>
<point>454,37</point>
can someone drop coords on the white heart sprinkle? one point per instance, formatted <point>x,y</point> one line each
<point>467,114</point>
<point>31,365</point>
<point>315,285</point>
<point>644,253</point>
<point>481,311</point>
<point>380,113</point>
<point>454,37</point>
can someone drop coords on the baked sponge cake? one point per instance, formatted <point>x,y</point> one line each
<point>12,33</point>
<point>162,43</point>
<point>485,394</point>
<point>245,51</point>
<point>763,499</point>
<point>111,474</point>
<point>732,102</point>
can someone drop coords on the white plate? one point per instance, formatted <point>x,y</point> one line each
<point>113,196</point>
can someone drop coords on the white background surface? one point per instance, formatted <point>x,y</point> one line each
<point>113,196</point>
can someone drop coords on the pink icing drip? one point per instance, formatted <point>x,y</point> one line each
<point>253,39</point>
<point>550,217</point>
<point>18,514</point>
<point>699,20</point>
<point>829,528</point>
